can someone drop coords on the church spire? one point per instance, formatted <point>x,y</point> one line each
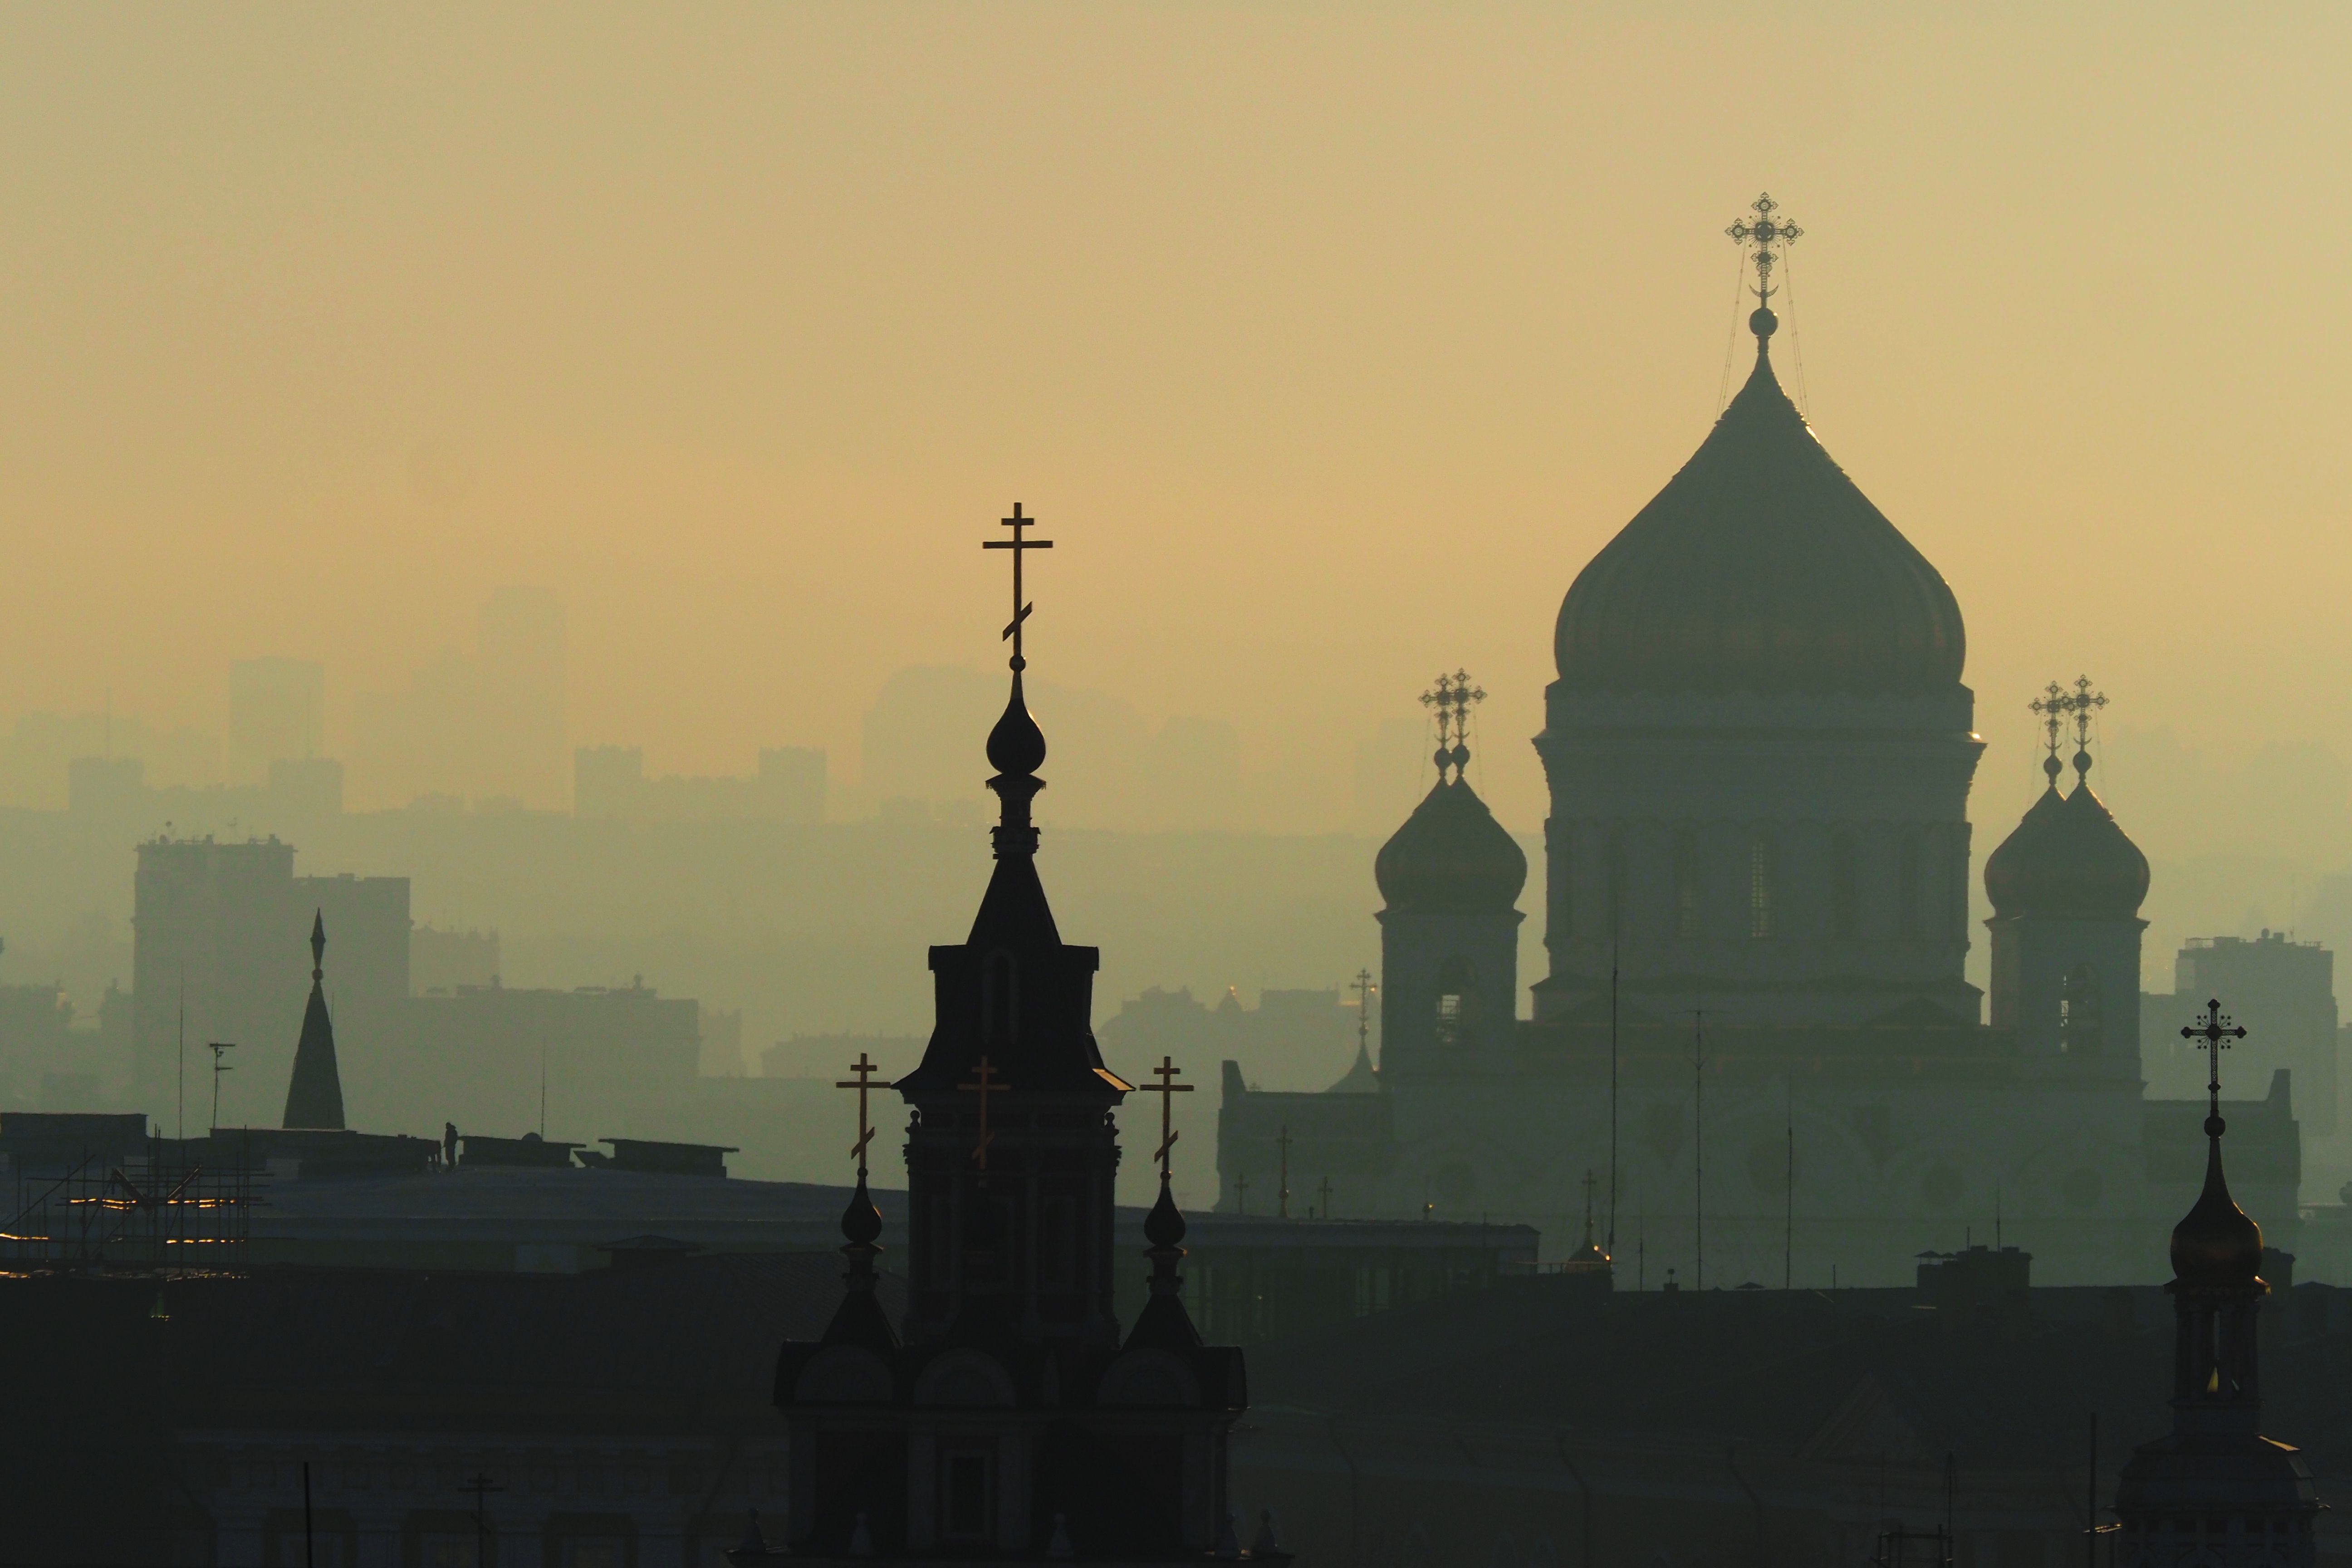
<point>314,1095</point>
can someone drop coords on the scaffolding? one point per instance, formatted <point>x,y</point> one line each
<point>182,1211</point>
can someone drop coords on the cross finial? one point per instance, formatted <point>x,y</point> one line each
<point>2213,1034</point>
<point>2059,706</point>
<point>1020,546</point>
<point>1451,700</point>
<point>1764,232</point>
<point>983,1088</point>
<point>2051,706</point>
<point>863,1081</point>
<point>1167,1089</point>
<point>1363,987</point>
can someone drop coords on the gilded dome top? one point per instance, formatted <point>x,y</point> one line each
<point>2068,858</point>
<point>1760,568</point>
<point>2216,1243</point>
<point>1451,853</point>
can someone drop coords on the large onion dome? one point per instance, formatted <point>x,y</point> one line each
<point>1760,568</point>
<point>1451,853</point>
<point>2068,859</point>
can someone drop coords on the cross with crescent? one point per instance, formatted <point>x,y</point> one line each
<point>1020,546</point>
<point>983,1072</point>
<point>1764,233</point>
<point>2213,1035</point>
<point>864,1080</point>
<point>1167,1089</point>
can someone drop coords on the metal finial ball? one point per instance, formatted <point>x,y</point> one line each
<point>1460,756</point>
<point>1763,322</point>
<point>2215,1127</point>
<point>1442,756</point>
<point>2051,767</point>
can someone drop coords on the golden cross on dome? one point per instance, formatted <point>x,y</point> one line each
<point>1451,699</point>
<point>1167,1089</point>
<point>2213,1035</point>
<point>1765,232</point>
<point>1020,546</point>
<point>862,1083</point>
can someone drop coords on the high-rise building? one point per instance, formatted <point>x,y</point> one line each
<point>2284,993</point>
<point>218,954</point>
<point>277,712</point>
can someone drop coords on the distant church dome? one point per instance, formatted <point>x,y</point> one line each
<point>1451,853</point>
<point>2068,858</point>
<point>1760,568</point>
<point>2216,1244</point>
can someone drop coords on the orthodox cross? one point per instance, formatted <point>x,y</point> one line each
<point>2213,1036</point>
<point>863,1081</point>
<point>1020,546</point>
<point>1282,1202</point>
<point>1451,701</point>
<point>1324,1192</point>
<point>481,1485</point>
<point>1363,988</point>
<point>983,1072</point>
<point>1765,232</point>
<point>1241,1191</point>
<point>2053,706</point>
<point>1167,1090</point>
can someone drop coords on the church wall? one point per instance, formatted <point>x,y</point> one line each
<point>2070,989</point>
<point>1850,816</point>
<point>1424,955</point>
<point>1892,1158</point>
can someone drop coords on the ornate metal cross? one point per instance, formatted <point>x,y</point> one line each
<point>864,1080</point>
<point>1020,546</point>
<point>1363,988</point>
<point>2051,706</point>
<point>1765,232</point>
<point>1167,1089</point>
<point>2213,1036</point>
<point>1451,699</point>
<point>983,1072</point>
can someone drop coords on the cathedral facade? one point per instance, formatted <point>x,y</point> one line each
<point>1756,1030</point>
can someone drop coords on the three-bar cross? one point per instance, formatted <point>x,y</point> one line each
<point>2213,1036</point>
<point>1020,546</point>
<point>863,1081</point>
<point>984,1072</point>
<point>1167,1089</point>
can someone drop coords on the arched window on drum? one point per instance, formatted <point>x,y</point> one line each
<point>1454,977</point>
<point>2082,1030</point>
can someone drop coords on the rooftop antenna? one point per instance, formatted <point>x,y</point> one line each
<point>542,1091</point>
<point>1613,1082</point>
<point>1698,1144</point>
<point>219,1067</point>
<point>1788,1220</point>
<point>180,1129</point>
<point>1282,1143</point>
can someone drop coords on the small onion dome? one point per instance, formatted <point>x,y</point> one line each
<point>2068,859</point>
<point>861,1222</point>
<point>1451,853</point>
<point>1760,568</point>
<point>2216,1243</point>
<point>1164,1226</point>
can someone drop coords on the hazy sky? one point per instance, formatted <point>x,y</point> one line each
<point>1329,341</point>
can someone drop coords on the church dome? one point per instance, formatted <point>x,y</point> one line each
<point>1451,853</point>
<point>1760,568</point>
<point>2216,1242</point>
<point>2068,858</point>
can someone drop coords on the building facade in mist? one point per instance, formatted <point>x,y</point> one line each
<point>611,781</point>
<point>1759,751</point>
<point>277,714</point>
<point>492,725</point>
<point>2284,992</point>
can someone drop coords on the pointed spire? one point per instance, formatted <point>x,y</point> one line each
<point>314,1095</point>
<point>1164,1323</point>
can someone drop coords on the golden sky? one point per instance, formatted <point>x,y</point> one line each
<point>1329,341</point>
